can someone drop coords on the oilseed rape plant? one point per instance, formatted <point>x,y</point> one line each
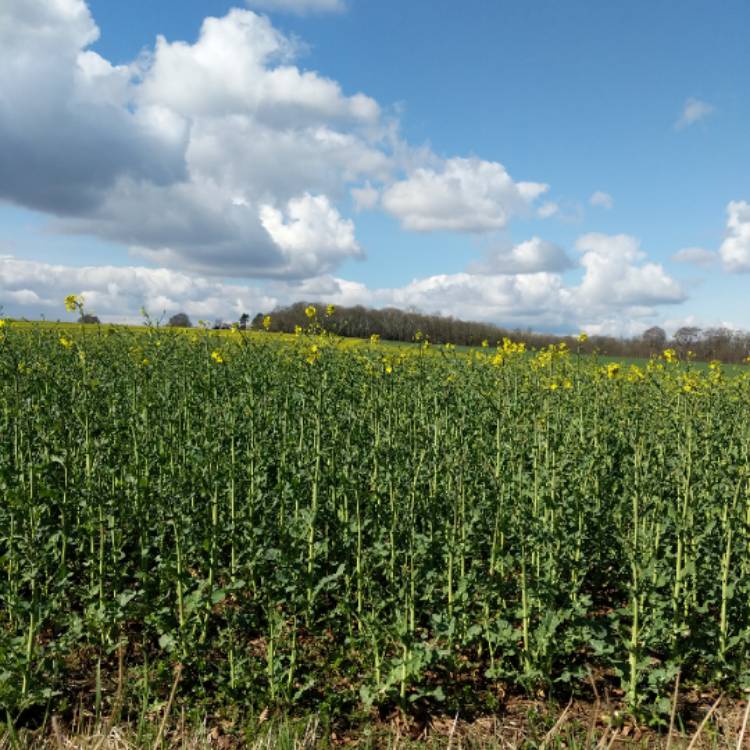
<point>297,520</point>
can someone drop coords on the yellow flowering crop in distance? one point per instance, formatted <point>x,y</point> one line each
<point>310,311</point>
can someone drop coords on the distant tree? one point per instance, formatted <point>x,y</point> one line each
<point>687,336</point>
<point>88,318</point>
<point>244,318</point>
<point>393,324</point>
<point>655,337</point>
<point>180,320</point>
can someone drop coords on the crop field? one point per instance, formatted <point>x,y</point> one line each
<point>252,522</point>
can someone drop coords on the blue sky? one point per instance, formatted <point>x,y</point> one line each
<point>562,166</point>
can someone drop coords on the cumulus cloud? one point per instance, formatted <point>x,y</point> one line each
<point>735,249</point>
<point>298,7</point>
<point>617,279</point>
<point>179,153</point>
<point>311,230</point>
<point>697,256</point>
<point>693,111</point>
<point>548,209</point>
<point>531,256</point>
<point>222,155</point>
<point>118,293</point>
<point>76,135</point>
<point>366,197</point>
<point>620,291</point>
<point>600,199</point>
<point>463,195</point>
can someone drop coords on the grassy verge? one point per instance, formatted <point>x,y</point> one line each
<point>698,722</point>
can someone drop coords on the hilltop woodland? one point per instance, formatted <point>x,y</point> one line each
<point>393,324</point>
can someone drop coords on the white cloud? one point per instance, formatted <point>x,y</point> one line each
<point>118,293</point>
<point>531,256</point>
<point>697,256</point>
<point>735,249</point>
<point>693,111</point>
<point>548,209</point>
<point>620,292</point>
<point>601,199</point>
<point>240,66</point>
<point>366,197</point>
<point>71,140</point>
<point>463,195</point>
<point>197,155</point>
<point>179,153</point>
<point>616,279</point>
<point>298,7</point>
<point>312,235</point>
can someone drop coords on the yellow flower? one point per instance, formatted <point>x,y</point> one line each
<point>689,383</point>
<point>217,358</point>
<point>485,344</point>
<point>310,311</point>
<point>2,324</point>
<point>449,347</point>
<point>267,323</point>
<point>388,369</point>
<point>297,330</point>
<point>635,374</point>
<point>567,384</point>
<point>72,303</point>
<point>313,355</point>
<point>375,338</point>
<point>418,336</point>
<point>583,338</point>
<point>670,355</point>
<point>613,370</point>
<point>330,310</point>
<point>66,342</point>
<point>714,364</point>
<point>145,362</point>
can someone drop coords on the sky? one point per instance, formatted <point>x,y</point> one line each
<point>553,166</point>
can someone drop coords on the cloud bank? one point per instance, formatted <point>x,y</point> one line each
<point>619,291</point>
<point>224,158</point>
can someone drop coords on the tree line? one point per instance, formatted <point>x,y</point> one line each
<point>393,324</point>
